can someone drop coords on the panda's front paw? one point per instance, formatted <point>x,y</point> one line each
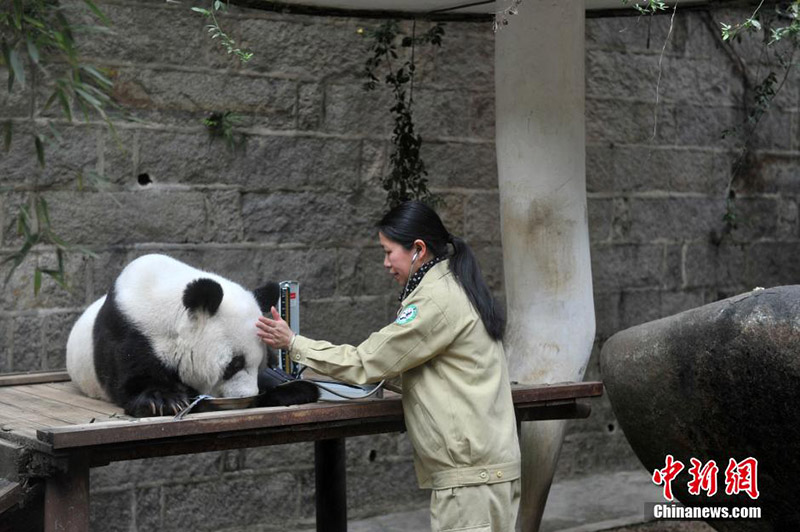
<point>154,402</point>
<point>294,392</point>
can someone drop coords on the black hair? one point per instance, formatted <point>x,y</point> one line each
<point>413,220</point>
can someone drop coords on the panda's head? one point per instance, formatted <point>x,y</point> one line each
<point>220,353</point>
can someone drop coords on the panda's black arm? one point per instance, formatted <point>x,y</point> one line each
<point>290,393</point>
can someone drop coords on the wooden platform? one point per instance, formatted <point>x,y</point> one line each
<point>47,414</point>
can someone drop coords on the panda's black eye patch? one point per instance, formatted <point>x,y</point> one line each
<point>235,366</point>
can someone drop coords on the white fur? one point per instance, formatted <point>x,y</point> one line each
<point>149,293</point>
<point>80,353</point>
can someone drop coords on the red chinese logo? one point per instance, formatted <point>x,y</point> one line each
<point>667,475</point>
<point>742,476</point>
<point>739,477</point>
<point>703,479</point>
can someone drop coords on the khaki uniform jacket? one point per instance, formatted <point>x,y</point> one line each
<point>456,392</point>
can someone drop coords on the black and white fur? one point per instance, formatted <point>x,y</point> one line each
<point>167,332</point>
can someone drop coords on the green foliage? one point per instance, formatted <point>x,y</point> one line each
<point>792,14</point>
<point>788,15</point>
<point>220,125</point>
<point>36,37</point>
<point>34,225</point>
<point>216,32</point>
<point>407,178</point>
<point>35,31</point>
<point>782,26</point>
<point>647,7</point>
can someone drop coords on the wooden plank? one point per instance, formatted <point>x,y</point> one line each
<point>67,387</point>
<point>14,413</point>
<point>25,437</point>
<point>104,409</point>
<point>65,414</point>
<point>556,410</point>
<point>104,454</point>
<point>11,493</point>
<point>217,422</point>
<point>552,392</point>
<point>33,377</point>
<point>12,410</point>
<point>112,432</point>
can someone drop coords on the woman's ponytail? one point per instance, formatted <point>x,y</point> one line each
<point>414,220</point>
<point>465,268</point>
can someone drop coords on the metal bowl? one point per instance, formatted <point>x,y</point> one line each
<point>226,403</point>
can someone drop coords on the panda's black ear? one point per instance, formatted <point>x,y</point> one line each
<point>203,294</point>
<point>267,296</point>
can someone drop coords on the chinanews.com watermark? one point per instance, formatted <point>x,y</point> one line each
<point>661,510</point>
<point>740,478</point>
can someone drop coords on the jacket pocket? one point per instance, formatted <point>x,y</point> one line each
<point>425,437</point>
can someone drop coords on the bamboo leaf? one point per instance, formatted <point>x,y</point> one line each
<point>17,259</point>
<point>58,276</point>
<point>49,101</point>
<point>16,66</point>
<point>39,149</point>
<point>24,222</point>
<point>42,212</point>
<point>33,51</point>
<point>88,97</point>
<point>7,60</point>
<point>58,241</point>
<point>89,253</point>
<point>96,74</point>
<point>94,9</point>
<point>8,128</point>
<point>37,281</point>
<point>62,98</point>
<point>33,22</point>
<point>56,133</point>
<point>18,10</point>
<point>101,96</point>
<point>22,227</point>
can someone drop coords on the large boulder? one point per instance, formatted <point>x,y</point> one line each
<point>717,382</point>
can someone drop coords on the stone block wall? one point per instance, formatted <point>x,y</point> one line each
<point>300,195</point>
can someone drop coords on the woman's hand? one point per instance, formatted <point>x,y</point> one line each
<point>274,332</point>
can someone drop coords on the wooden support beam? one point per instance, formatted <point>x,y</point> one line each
<point>66,497</point>
<point>331,485</point>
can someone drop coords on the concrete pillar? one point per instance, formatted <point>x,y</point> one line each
<point>539,77</point>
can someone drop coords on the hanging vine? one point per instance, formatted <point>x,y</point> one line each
<point>407,178</point>
<point>781,26</point>
<point>216,32</point>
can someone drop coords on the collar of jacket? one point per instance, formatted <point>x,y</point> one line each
<point>439,270</point>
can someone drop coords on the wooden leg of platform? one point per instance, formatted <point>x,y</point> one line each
<point>331,484</point>
<point>66,498</point>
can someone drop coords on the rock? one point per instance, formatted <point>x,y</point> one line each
<point>717,382</point>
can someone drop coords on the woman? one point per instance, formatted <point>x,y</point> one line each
<point>447,344</point>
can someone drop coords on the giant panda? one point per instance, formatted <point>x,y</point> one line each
<point>166,332</point>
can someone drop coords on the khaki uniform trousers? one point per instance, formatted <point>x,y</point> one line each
<point>480,508</point>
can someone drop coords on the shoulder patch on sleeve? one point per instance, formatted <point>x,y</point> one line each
<point>407,315</point>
